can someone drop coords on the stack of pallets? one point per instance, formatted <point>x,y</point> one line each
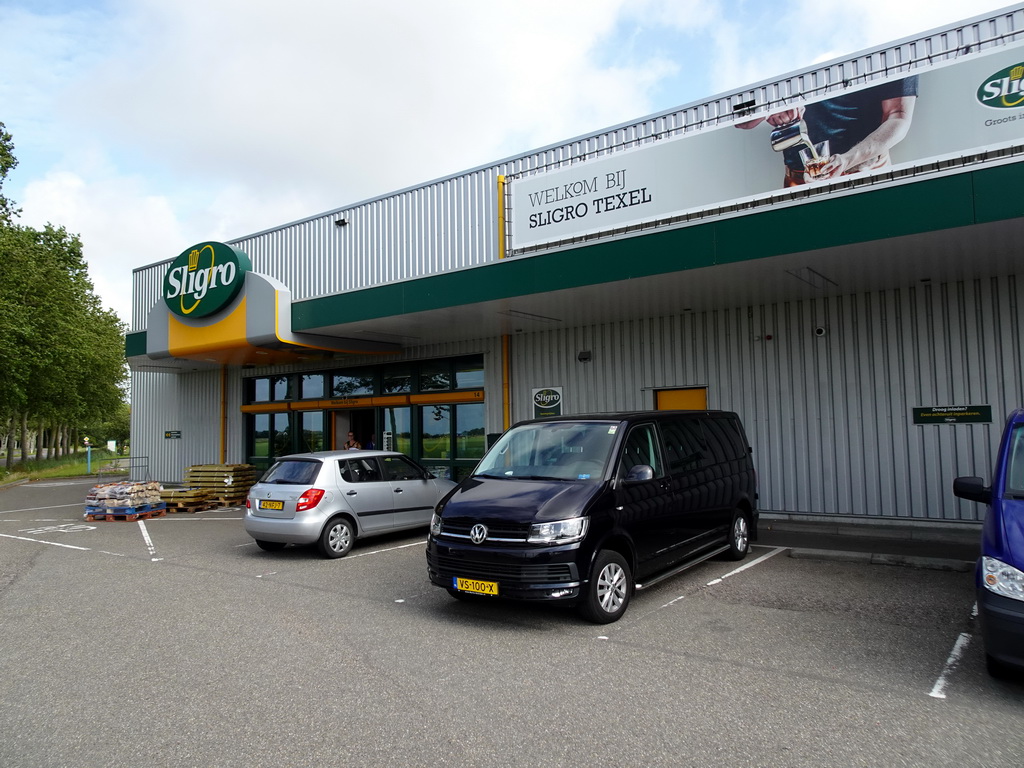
<point>124,501</point>
<point>226,485</point>
<point>186,499</point>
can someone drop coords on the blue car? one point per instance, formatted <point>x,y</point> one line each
<point>1000,571</point>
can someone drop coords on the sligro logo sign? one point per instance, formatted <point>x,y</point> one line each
<point>1004,89</point>
<point>204,279</point>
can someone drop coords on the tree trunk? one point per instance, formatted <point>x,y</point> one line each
<point>40,439</point>
<point>24,438</point>
<point>10,442</point>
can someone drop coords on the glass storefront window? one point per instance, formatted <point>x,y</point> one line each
<point>352,383</point>
<point>470,438</point>
<point>398,422</point>
<point>436,433</point>
<point>397,379</point>
<point>313,430</point>
<point>281,433</point>
<point>435,376</point>
<point>280,387</point>
<point>469,373</point>
<point>311,385</point>
<point>260,390</point>
<point>261,434</point>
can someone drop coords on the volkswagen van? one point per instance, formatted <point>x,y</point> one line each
<point>585,510</point>
<point>999,575</point>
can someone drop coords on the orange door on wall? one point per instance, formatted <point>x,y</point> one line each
<point>685,399</point>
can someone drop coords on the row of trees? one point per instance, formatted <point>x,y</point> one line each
<point>62,368</point>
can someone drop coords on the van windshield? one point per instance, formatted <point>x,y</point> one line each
<point>560,450</point>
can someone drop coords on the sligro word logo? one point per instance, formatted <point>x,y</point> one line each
<point>204,279</point>
<point>547,398</point>
<point>1004,90</point>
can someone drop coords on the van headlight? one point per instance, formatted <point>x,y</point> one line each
<point>558,532</point>
<point>1002,579</point>
<point>435,525</point>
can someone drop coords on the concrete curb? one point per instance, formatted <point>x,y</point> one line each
<point>906,561</point>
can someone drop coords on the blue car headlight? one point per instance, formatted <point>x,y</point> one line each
<point>1002,579</point>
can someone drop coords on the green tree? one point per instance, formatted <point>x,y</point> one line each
<point>7,164</point>
<point>61,353</point>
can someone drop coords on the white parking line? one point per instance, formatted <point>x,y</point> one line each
<point>149,541</point>
<point>751,564</point>
<point>40,541</point>
<point>37,509</point>
<point>938,690</point>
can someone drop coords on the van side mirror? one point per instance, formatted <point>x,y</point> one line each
<point>972,489</point>
<point>641,473</point>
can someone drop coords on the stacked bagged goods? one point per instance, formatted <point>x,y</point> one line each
<point>124,501</point>
<point>123,494</point>
<point>225,484</point>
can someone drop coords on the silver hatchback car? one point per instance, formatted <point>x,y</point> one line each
<point>331,498</point>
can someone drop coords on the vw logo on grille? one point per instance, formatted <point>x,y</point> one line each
<point>478,533</point>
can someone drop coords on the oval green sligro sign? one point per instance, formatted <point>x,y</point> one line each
<point>204,279</point>
<point>1004,89</point>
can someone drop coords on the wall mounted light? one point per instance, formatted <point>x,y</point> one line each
<point>585,356</point>
<point>340,222</point>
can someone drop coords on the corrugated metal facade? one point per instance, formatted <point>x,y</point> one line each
<point>828,416</point>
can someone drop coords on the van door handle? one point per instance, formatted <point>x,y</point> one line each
<point>398,490</point>
<point>351,493</point>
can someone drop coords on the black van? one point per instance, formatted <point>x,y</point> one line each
<point>585,509</point>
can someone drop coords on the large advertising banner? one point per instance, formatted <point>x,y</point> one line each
<point>948,111</point>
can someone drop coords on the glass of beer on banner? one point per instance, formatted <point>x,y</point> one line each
<point>814,157</point>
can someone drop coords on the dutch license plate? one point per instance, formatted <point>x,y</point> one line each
<point>271,505</point>
<point>475,586</point>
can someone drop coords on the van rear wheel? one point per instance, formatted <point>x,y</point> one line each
<point>609,589</point>
<point>739,536</point>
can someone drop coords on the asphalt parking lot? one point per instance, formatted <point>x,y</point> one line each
<point>177,642</point>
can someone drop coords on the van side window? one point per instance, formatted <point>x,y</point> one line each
<point>642,448</point>
<point>684,444</point>
<point>724,440</point>
<point>1015,465</point>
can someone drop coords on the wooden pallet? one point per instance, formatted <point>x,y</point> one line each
<point>188,507</point>
<point>125,514</point>
<point>228,501</point>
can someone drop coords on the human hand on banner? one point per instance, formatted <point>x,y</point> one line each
<point>775,120</point>
<point>786,117</point>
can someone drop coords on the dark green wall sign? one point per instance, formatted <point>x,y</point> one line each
<point>204,279</point>
<point>954,414</point>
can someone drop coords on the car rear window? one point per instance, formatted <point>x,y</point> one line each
<point>292,472</point>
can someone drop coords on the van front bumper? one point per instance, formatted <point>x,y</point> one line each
<point>533,573</point>
<point>1002,627</point>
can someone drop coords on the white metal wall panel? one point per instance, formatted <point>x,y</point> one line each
<point>829,417</point>
<point>191,404</point>
<point>451,223</point>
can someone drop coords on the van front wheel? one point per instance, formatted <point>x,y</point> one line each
<point>609,589</point>
<point>739,536</point>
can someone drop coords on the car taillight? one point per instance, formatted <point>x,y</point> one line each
<point>248,503</point>
<point>309,499</point>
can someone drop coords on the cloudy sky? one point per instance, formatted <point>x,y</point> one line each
<point>149,125</point>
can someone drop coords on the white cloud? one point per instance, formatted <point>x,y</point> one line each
<point>146,126</point>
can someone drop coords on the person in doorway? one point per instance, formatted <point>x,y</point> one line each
<point>371,443</point>
<point>860,127</point>
<point>351,443</point>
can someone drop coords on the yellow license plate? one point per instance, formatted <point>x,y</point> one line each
<point>271,505</point>
<point>476,586</point>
